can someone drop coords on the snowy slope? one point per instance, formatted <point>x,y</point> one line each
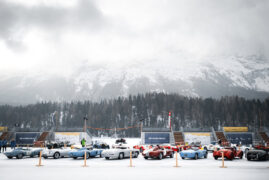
<point>208,77</point>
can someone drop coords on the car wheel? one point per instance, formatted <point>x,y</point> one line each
<point>205,155</point>
<point>231,157</point>
<point>241,157</point>
<point>9,157</point>
<point>87,155</point>
<point>196,156</point>
<point>216,157</point>
<point>136,154</point>
<point>146,157</point>
<point>56,155</point>
<point>160,156</point>
<point>172,155</point>
<point>248,158</point>
<point>19,156</point>
<point>45,157</point>
<point>75,157</point>
<point>101,155</point>
<point>107,158</point>
<point>121,156</point>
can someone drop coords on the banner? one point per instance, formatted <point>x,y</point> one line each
<point>239,138</point>
<point>235,129</point>
<point>157,138</point>
<point>3,128</point>
<point>71,137</point>
<point>26,138</point>
<point>204,138</point>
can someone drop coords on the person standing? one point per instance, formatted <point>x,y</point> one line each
<point>4,145</point>
<point>13,144</point>
<point>83,142</point>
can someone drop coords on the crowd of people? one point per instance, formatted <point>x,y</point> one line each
<point>4,143</point>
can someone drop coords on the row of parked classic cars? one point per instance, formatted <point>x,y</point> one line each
<point>121,150</point>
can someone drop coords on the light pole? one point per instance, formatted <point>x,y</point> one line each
<point>85,123</point>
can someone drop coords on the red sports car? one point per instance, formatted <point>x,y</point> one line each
<point>229,153</point>
<point>174,148</point>
<point>142,147</point>
<point>158,152</point>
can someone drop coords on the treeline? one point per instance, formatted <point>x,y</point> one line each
<point>151,108</point>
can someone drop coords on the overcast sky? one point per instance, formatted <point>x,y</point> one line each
<point>55,36</point>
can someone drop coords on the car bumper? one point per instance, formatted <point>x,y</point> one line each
<point>110,156</point>
<point>187,155</point>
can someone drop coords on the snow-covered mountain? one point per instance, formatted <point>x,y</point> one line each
<point>210,77</point>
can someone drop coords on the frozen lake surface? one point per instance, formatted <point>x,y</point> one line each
<point>99,168</point>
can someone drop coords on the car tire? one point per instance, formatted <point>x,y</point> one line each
<point>241,157</point>
<point>56,155</point>
<point>160,156</point>
<point>232,156</point>
<point>196,156</point>
<point>216,157</point>
<point>146,157</point>
<point>107,158</point>
<point>100,155</point>
<point>19,156</point>
<point>9,157</point>
<point>172,155</point>
<point>45,157</point>
<point>182,157</point>
<point>75,157</point>
<point>205,156</point>
<point>136,154</point>
<point>121,156</point>
<point>87,155</point>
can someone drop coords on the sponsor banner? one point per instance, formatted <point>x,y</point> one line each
<point>71,137</point>
<point>26,138</point>
<point>157,138</point>
<point>3,128</point>
<point>235,129</point>
<point>239,138</point>
<point>204,138</point>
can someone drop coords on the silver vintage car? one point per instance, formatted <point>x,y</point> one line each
<point>56,153</point>
<point>119,152</point>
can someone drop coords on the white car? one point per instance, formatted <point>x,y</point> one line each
<point>56,153</point>
<point>211,147</point>
<point>120,152</point>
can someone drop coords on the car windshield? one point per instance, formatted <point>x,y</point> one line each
<point>156,148</point>
<point>121,147</point>
<point>194,148</point>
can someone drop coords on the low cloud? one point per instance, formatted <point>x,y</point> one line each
<point>16,19</point>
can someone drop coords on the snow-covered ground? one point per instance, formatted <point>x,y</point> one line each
<point>99,168</point>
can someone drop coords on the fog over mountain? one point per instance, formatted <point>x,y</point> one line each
<point>86,49</point>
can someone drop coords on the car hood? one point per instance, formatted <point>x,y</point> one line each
<point>188,151</point>
<point>147,151</point>
<point>111,151</point>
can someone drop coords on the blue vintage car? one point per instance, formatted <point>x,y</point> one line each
<point>89,153</point>
<point>193,153</point>
<point>19,153</point>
